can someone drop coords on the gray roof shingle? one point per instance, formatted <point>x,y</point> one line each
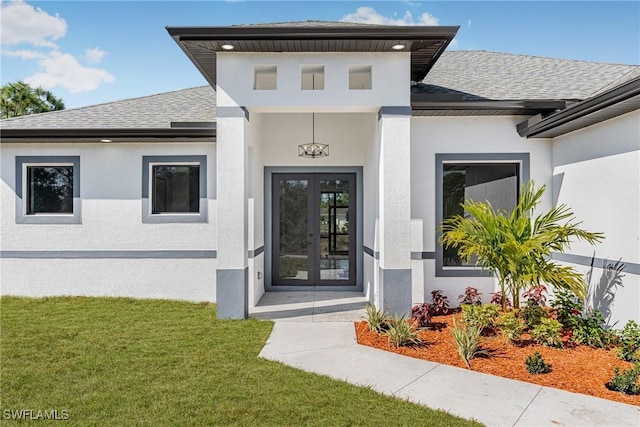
<point>196,104</point>
<point>470,74</point>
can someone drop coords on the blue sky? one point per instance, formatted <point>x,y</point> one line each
<point>90,52</point>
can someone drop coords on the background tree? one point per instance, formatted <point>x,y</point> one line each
<point>20,99</point>
<point>515,246</point>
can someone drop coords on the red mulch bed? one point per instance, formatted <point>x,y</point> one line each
<point>577,368</point>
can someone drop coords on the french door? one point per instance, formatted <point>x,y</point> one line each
<point>314,229</point>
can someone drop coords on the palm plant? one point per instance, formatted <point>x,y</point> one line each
<point>515,246</point>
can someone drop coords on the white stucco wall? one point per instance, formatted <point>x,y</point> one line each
<point>110,190</point>
<point>596,172</point>
<point>468,135</point>
<point>235,84</point>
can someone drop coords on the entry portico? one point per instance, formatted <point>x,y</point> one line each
<point>349,89</point>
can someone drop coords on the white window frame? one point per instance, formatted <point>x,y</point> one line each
<point>22,178</point>
<point>147,191</point>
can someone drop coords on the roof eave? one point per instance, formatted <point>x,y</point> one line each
<point>113,134</point>
<point>538,125</point>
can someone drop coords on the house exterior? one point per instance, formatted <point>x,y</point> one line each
<point>214,193</point>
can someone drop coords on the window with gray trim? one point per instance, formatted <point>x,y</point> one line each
<point>495,178</point>
<point>174,189</point>
<point>48,190</point>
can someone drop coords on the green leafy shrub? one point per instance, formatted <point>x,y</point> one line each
<point>400,332</point>
<point>629,338</point>
<point>589,330</point>
<point>568,306</point>
<point>625,382</point>
<point>548,332</point>
<point>536,364</point>
<point>482,316</point>
<point>377,319</point>
<point>536,294</point>
<point>467,340</point>
<point>421,315</point>
<point>532,314</point>
<point>511,326</point>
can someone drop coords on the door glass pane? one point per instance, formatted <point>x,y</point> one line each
<point>294,229</point>
<point>334,230</point>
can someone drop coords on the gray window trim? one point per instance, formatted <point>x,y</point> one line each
<point>148,217</point>
<point>21,214</point>
<point>441,158</point>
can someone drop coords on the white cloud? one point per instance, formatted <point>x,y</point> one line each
<point>22,23</point>
<point>64,70</point>
<point>24,53</point>
<point>368,15</point>
<point>94,55</point>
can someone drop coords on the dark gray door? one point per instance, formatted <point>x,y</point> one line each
<point>314,229</point>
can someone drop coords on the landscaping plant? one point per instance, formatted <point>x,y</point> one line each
<point>470,296</point>
<point>548,332</point>
<point>629,339</point>
<point>536,364</point>
<point>401,333</point>
<point>511,327</point>
<point>532,314</point>
<point>497,299</point>
<point>467,340</point>
<point>536,294</point>
<point>516,246</point>
<point>421,315</point>
<point>481,316</point>
<point>625,382</point>
<point>568,306</point>
<point>589,330</point>
<point>439,303</point>
<point>377,319</point>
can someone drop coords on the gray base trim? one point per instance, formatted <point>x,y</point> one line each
<point>423,255</point>
<point>396,291</point>
<point>254,253</point>
<point>111,254</point>
<point>232,291</point>
<point>629,267</point>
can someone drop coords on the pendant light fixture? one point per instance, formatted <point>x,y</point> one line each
<point>313,150</point>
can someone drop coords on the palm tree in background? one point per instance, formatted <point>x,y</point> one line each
<point>20,99</point>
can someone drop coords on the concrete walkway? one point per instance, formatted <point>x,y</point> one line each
<point>328,346</point>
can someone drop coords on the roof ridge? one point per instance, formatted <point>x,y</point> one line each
<point>540,57</point>
<point>104,103</point>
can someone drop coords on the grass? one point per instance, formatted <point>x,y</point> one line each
<point>146,362</point>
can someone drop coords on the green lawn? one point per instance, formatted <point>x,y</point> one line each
<point>125,361</point>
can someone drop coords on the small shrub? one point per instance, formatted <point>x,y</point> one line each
<point>511,326</point>
<point>588,330</point>
<point>496,298</point>
<point>536,294</point>
<point>481,316</point>
<point>532,314</point>
<point>377,319</point>
<point>400,332</point>
<point>625,382</point>
<point>568,307</point>
<point>467,339</point>
<point>421,315</point>
<point>439,303</point>
<point>470,296</point>
<point>548,332</point>
<point>629,338</point>
<point>536,364</point>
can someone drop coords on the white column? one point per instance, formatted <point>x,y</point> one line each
<point>232,206</point>
<point>394,190</point>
